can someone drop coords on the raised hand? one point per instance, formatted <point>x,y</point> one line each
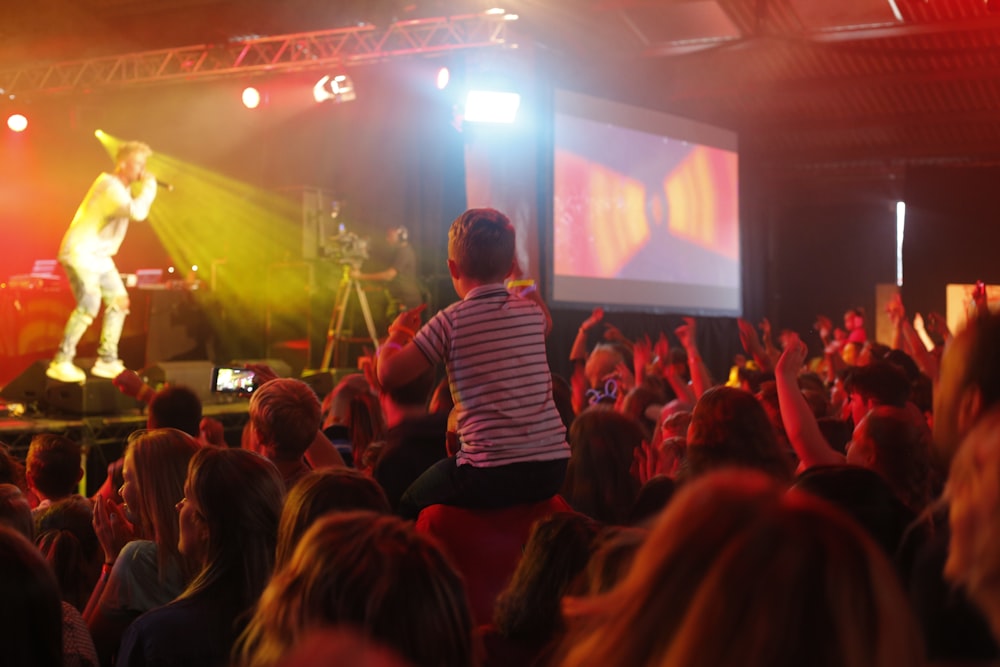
<point>686,333</point>
<point>595,318</point>
<point>792,359</point>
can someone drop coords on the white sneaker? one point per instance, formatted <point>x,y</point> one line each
<point>107,369</point>
<point>65,371</point>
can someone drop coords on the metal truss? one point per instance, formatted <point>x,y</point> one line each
<point>301,51</point>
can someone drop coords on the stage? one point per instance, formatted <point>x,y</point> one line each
<point>103,436</point>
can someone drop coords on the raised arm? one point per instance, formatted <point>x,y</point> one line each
<point>701,380</point>
<point>399,360</point>
<point>800,423</point>
<point>751,343</point>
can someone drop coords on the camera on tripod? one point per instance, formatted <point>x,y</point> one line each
<point>346,248</point>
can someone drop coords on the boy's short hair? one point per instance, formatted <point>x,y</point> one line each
<point>481,243</point>
<point>130,148</point>
<point>53,464</point>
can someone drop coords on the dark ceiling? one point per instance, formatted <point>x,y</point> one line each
<point>847,86</point>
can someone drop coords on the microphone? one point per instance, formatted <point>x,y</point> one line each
<point>169,187</point>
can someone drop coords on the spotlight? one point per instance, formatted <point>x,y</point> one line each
<point>443,77</point>
<point>17,122</point>
<point>486,106</point>
<point>339,89</point>
<point>251,97</point>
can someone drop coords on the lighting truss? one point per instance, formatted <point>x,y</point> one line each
<point>297,52</point>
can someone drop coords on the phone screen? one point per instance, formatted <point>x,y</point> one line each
<point>226,380</point>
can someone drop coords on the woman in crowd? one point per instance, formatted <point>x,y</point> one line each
<point>228,527</point>
<point>737,572</point>
<point>599,482</point>
<point>143,567</point>
<point>322,492</point>
<point>374,573</point>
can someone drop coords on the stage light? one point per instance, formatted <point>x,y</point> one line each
<point>339,89</point>
<point>485,106</point>
<point>496,11</point>
<point>443,77</point>
<point>99,133</point>
<point>17,122</point>
<point>251,97</point>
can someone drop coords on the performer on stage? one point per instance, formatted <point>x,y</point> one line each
<point>87,252</point>
<point>400,278</point>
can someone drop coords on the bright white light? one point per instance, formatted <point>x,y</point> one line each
<point>483,106</point>
<point>443,77</point>
<point>339,89</point>
<point>510,17</point>
<point>194,267</point>
<point>900,229</point>
<point>895,10</point>
<point>496,11</point>
<point>17,122</point>
<point>251,97</point>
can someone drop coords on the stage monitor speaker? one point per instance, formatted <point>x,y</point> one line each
<point>29,386</point>
<point>96,396</point>
<point>195,375</point>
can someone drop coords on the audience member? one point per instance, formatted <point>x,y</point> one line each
<point>31,614</point>
<point>374,573</point>
<point>53,468</point>
<point>729,428</point>
<point>492,342</point>
<point>414,439</point>
<point>143,567</point>
<point>229,528</point>
<point>284,421</point>
<point>599,482</point>
<point>784,578</point>
<point>15,510</point>
<point>67,539</point>
<point>319,493</point>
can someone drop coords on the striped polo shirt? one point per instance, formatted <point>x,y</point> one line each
<point>493,346</point>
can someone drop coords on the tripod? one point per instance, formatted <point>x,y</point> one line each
<point>335,330</point>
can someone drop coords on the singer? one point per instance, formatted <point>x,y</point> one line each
<point>87,253</point>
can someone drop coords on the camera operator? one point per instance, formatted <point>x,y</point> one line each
<point>400,276</point>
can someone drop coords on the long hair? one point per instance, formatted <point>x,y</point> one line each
<point>239,494</point>
<point>635,622</point>
<point>598,478</point>
<point>31,613</point>
<point>159,461</point>
<point>67,539</point>
<point>729,428</point>
<point>373,572</point>
<point>557,551</point>
<point>785,579</point>
<point>802,585</point>
<point>321,492</point>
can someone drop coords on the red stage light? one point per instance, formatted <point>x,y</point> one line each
<point>17,122</point>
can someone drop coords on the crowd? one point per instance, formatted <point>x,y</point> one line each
<point>833,510</point>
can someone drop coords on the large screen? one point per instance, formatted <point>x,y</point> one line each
<point>645,210</point>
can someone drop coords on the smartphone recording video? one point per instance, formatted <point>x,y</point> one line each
<point>230,380</point>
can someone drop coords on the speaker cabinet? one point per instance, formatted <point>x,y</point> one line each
<point>96,396</point>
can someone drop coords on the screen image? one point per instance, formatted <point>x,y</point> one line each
<point>645,210</point>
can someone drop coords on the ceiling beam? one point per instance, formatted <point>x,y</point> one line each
<point>296,52</point>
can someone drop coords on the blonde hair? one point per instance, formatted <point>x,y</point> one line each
<point>159,461</point>
<point>736,572</point>
<point>130,148</point>
<point>973,493</point>
<point>373,572</point>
